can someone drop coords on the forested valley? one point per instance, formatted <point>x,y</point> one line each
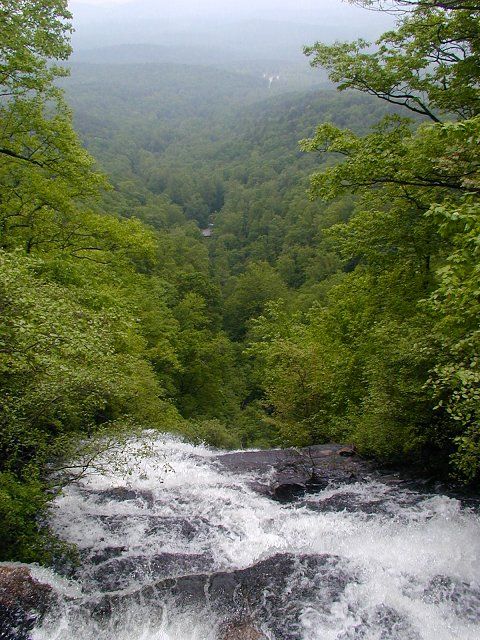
<point>244,262</point>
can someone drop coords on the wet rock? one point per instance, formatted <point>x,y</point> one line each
<point>123,494</point>
<point>285,473</point>
<point>183,527</point>
<point>464,598</point>
<point>347,452</point>
<point>99,556</point>
<point>23,601</point>
<point>245,630</point>
<point>286,492</point>
<point>384,623</point>
<point>345,502</point>
<point>118,573</point>
<point>384,498</point>
<point>153,525</point>
<point>269,594</point>
<point>391,624</point>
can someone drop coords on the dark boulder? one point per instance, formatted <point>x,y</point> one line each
<point>242,630</point>
<point>120,572</point>
<point>270,594</point>
<point>284,474</point>
<point>23,602</point>
<point>462,597</point>
<point>347,452</point>
<point>122,494</point>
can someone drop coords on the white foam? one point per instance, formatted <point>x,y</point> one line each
<point>394,553</point>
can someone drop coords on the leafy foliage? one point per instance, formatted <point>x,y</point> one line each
<point>404,321</point>
<point>349,312</point>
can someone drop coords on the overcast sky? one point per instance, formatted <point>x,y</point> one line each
<point>317,10</point>
<point>273,7</point>
<point>128,20</point>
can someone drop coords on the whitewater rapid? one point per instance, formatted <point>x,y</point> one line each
<point>358,561</point>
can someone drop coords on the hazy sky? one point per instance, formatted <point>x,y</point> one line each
<point>127,21</point>
<point>275,7</point>
<point>317,10</point>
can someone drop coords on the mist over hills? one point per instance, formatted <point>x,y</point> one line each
<point>162,91</point>
<point>131,95</point>
<point>276,74</point>
<point>258,39</point>
<point>213,32</point>
<point>263,24</point>
<point>247,39</point>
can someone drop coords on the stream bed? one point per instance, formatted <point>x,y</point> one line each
<point>188,543</point>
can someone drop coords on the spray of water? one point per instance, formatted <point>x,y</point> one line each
<point>363,561</point>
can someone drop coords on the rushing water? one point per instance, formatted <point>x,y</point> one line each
<point>361,561</point>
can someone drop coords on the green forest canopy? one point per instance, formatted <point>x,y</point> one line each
<point>350,314</point>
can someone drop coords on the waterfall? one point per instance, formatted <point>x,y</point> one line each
<point>176,545</point>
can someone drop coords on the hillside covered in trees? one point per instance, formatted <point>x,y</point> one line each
<point>335,299</point>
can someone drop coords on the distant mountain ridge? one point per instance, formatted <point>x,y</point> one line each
<point>152,53</point>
